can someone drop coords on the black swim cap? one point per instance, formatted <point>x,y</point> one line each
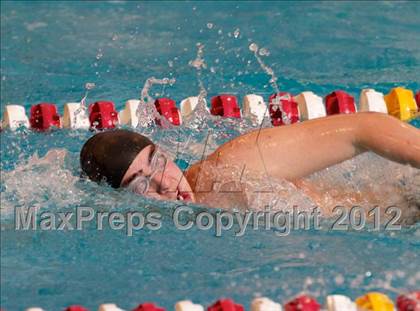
<point>108,155</point>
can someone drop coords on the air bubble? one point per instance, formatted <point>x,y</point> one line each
<point>210,25</point>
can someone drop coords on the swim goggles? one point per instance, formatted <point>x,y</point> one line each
<point>140,184</point>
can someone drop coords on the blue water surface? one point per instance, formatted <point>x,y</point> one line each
<point>49,50</point>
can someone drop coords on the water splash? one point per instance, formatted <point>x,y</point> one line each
<point>277,104</point>
<point>146,111</point>
<point>365,181</point>
<point>40,182</point>
<point>200,112</point>
<point>52,183</point>
<point>82,110</point>
<point>236,33</point>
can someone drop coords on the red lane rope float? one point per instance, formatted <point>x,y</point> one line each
<point>76,308</point>
<point>225,105</point>
<point>102,115</point>
<point>289,107</point>
<point>167,107</point>
<point>302,303</point>
<point>339,102</point>
<point>148,306</point>
<point>372,301</point>
<point>400,103</point>
<point>225,305</point>
<point>409,302</point>
<point>44,116</point>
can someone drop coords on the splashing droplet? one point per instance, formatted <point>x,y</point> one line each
<point>210,25</point>
<point>264,52</point>
<point>236,33</point>
<point>90,86</point>
<point>198,63</point>
<point>146,111</point>
<point>253,47</point>
<point>99,55</point>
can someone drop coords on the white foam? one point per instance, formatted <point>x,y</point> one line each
<point>40,181</point>
<point>369,180</point>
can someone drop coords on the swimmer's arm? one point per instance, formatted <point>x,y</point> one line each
<point>390,138</point>
<point>297,150</point>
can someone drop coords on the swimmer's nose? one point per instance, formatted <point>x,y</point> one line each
<point>163,184</point>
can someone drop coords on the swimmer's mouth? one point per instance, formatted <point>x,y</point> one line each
<point>183,196</point>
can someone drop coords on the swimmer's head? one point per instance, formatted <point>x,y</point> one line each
<point>127,159</point>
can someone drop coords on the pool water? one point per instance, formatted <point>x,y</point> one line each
<point>50,50</point>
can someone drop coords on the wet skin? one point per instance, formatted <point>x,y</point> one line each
<point>288,152</point>
<point>168,184</point>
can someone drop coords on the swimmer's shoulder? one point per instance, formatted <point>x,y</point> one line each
<point>193,172</point>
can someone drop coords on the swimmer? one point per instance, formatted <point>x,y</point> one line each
<point>129,160</point>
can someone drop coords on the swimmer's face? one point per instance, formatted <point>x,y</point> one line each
<point>165,183</point>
